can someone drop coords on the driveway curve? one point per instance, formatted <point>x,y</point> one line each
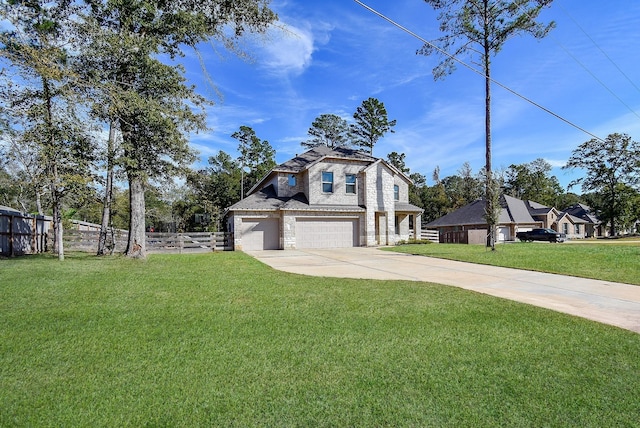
<point>603,301</point>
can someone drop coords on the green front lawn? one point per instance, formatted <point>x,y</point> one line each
<point>221,340</point>
<point>608,261</point>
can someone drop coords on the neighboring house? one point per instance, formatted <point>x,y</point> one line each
<point>547,215</point>
<point>520,216</point>
<point>515,216</point>
<point>326,198</point>
<point>593,226</point>
<point>571,226</point>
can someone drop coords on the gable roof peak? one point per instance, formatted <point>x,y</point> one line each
<point>315,154</point>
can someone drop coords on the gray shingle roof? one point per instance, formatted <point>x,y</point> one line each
<point>300,162</point>
<point>406,207</point>
<point>472,213</point>
<point>263,200</point>
<point>513,211</point>
<point>573,219</point>
<point>583,212</point>
<point>517,210</point>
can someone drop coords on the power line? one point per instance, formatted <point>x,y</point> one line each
<point>599,48</point>
<point>596,78</point>
<point>592,74</point>
<point>452,57</point>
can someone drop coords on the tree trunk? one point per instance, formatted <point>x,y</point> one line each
<point>489,196</point>
<point>108,194</point>
<point>136,245</point>
<point>612,226</point>
<point>39,201</point>
<point>58,247</point>
<point>54,179</point>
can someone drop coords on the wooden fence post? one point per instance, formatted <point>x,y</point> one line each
<point>11,236</point>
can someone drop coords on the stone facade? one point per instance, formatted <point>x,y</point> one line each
<point>297,194</point>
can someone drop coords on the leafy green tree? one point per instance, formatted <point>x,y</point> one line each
<point>190,213</point>
<point>608,164</point>
<point>216,187</point>
<point>95,65</point>
<point>471,186</point>
<point>481,28</point>
<point>255,154</point>
<point>371,124</point>
<point>22,180</point>
<point>418,181</point>
<point>155,109</point>
<point>398,160</point>
<point>533,181</point>
<point>628,208</point>
<point>453,188</point>
<point>43,101</point>
<point>159,213</point>
<point>328,130</point>
<point>28,169</point>
<point>417,188</point>
<point>434,198</point>
<point>567,199</point>
<point>120,209</point>
<point>8,190</point>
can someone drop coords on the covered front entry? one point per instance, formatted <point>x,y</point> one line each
<point>325,232</point>
<point>260,234</point>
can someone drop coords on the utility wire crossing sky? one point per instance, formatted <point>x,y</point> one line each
<point>326,57</point>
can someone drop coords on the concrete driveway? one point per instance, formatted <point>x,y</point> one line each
<point>607,302</point>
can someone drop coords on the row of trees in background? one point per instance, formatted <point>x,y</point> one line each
<point>610,185</point>
<point>612,175</point>
<point>371,123</point>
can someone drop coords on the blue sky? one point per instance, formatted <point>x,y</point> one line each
<point>328,56</point>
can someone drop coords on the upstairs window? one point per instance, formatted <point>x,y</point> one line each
<point>396,192</point>
<point>292,180</point>
<point>351,183</point>
<point>327,182</point>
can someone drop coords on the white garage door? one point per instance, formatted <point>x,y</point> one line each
<point>326,233</point>
<point>503,233</point>
<point>260,234</point>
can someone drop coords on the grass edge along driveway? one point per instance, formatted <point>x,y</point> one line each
<point>607,262</point>
<point>221,340</point>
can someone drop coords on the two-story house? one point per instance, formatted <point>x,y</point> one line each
<point>326,198</point>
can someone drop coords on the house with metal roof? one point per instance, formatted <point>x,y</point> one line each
<point>326,198</point>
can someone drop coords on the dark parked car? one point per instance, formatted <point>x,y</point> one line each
<point>542,235</point>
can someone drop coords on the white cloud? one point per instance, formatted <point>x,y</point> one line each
<point>288,49</point>
<point>556,163</point>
